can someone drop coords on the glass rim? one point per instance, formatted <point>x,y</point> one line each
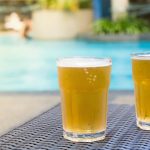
<point>140,55</point>
<point>60,60</point>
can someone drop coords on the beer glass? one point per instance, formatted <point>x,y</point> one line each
<point>84,84</point>
<point>141,77</point>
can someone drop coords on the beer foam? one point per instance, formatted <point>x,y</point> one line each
<point>141,56</point>
<point>84,62</point>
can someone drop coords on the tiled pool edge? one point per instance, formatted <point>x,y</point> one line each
<point>116,37</point>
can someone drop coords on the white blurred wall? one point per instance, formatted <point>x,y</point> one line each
<point>48,24</point>
<point>119,8</point>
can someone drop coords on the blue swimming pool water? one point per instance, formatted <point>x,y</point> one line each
<point>31,65</point>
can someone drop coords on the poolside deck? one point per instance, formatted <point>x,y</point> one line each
<point>18,108</point>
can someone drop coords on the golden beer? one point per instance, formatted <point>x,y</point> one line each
<point>141,77</point>
<point>84,87</point>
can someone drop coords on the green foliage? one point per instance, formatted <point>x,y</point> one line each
<point>85,4</point>
<point>47,4</point>
<point>68,5</point>
<point>128,25</point>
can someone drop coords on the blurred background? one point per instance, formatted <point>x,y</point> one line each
<point>34,33</point>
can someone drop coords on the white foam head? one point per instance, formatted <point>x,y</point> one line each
<point>142,56</point>
<point>84,62</point>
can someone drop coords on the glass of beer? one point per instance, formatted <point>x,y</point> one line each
<point>84,84</point>
<point>141,77</point>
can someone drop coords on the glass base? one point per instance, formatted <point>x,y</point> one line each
<point>143,125</point>
<point>84,137</point>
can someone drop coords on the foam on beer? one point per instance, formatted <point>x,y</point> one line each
<point>83,62</point>
<point>141,57</point>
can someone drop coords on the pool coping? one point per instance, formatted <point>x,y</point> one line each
<point>101,37</point>
<point>115,37</point>
<point>55,92</point>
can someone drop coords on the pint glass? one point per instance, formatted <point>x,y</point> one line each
<point>141,77</point>
<point>84,84</point>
